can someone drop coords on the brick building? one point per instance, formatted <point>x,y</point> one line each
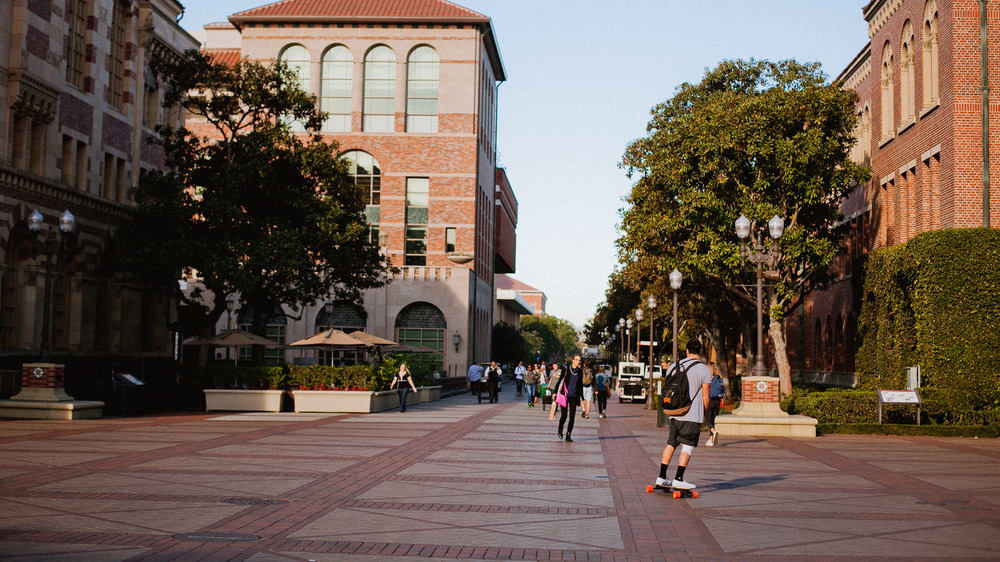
<point>411,92</point>
<point>77,105</point>
<point>921,125</point>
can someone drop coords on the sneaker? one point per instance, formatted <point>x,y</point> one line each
<point>682,485</point>
<point>602,416</point>
<point>715,438</point>
<point>662,482</point>
<point>709,443</point>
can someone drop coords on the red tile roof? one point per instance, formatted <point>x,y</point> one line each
<point>360,10</point>
<point>226,56</point>
<point>507,283</point>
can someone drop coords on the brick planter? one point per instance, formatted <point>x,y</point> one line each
<point>348,401</point>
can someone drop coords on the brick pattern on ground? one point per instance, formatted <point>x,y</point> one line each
<point>459,480</point>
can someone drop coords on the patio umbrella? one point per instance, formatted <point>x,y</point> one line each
<point>407,348</point>
<point>370,339</point>
<point>238,338</point>
<point>330,338</point>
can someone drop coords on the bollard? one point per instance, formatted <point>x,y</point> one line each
<point>661,418</point>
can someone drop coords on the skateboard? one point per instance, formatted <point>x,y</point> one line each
<point>675,492</point>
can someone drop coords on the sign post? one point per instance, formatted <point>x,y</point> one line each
<point>898,397</point>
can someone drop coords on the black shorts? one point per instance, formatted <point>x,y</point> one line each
<point>683,433</point>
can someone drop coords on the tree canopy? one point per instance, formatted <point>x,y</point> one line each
<point>753,138</point>
<point>254,209</point>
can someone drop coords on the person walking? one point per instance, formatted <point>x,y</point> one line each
<point>686,429</point>
<point>531,383</point>
<point>519,373</point>
<point>475,381</point>
<point>717,390</point>
<point>493,382</point>
<point>554,376</point>
<point>588,388</point>
<point>602,385</point>
<point>403,382</point>
<point>571,384</point>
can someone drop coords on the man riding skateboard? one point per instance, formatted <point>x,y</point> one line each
<point>685,429</point>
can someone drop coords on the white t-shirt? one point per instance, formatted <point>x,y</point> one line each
<point>698,375</point>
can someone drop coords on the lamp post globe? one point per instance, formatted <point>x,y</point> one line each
<point>743,227</point>
<point>776,227</point>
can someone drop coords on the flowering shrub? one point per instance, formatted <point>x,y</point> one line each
<point>239,377</point>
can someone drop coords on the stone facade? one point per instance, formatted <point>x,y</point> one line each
<point>76,105</point>
<point>920,111</point>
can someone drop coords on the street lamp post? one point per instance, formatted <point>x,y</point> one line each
<point>638,334</point>
<point>628,335</point>
<point>51,247</point>
<point>621,344</point>
<point>759,256</point>
<point>675,283</point>
<point>650,401</point>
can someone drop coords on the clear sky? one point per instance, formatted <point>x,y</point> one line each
<point>582,77</point>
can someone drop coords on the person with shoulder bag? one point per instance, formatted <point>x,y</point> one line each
<point>531,383</point>
<point>571,388</point>
<point>588,388</point>
<point>717,390</point>
<point>602,383</point>
<point>554,378</point>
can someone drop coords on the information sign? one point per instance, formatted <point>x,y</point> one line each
<point>898,397</point>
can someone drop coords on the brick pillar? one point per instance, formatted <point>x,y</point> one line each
<point>759,397</point>
<point>42,382</point>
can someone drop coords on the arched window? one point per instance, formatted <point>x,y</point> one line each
<point>422,324</point>
<point>888,90</point>
<point>907,77</point>
<point>930,56</point>
<point>341,315</point>
<point>866,136</point>
<point>817,350</point>
<point>379,111</point>
<point>297,59</point>
<point>274,331</point>
<point>422,91</point>
<point>828,350</point>
<point>368,176</point>
<point>335,88</point>
<point>838,344</point>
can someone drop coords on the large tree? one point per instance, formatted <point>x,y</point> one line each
<point>257,210</point>
<point>549,338</point>
<point>753,138</point>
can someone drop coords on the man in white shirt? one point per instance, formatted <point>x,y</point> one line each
<point>685,430</point>
<point>519,373</point>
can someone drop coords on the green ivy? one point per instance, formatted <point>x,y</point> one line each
<point>935,302</point>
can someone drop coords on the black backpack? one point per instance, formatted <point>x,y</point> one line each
<point>676,395</point>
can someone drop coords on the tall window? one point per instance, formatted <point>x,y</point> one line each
<point>422,324</point>
<point>422,91</point>
<point>888,90</point>
<point>367,176</point>
<point>275,331</point>
<point>335,89</point>
<point>930,56</point>
<point>907,78</point>
<point>379,111</point>
<point>346,317</point>
<point>76,48</point>
<point>296,57</point>
<point>417,201</point>
<point>116,72</point>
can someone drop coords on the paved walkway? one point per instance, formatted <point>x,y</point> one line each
<point>457,479</point>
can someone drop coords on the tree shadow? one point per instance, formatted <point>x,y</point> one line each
<point>743,482</point>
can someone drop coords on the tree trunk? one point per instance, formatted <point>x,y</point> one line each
<point>717,338</point>
<point>777,332</point>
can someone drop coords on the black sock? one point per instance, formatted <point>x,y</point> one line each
<point>680,473</point>
<point>663,471</point>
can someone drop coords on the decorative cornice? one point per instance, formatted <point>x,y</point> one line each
<point>878,13</point>
<point>33,98</point>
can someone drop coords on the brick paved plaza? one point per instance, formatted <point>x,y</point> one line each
<point>460,480</point>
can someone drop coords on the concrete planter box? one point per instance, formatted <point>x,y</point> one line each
<point>348,401</point>
<point>428,393</point>
<point>235,400</point>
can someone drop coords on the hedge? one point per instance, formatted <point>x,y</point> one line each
<point>935,302</point>
<point>850,406</point>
